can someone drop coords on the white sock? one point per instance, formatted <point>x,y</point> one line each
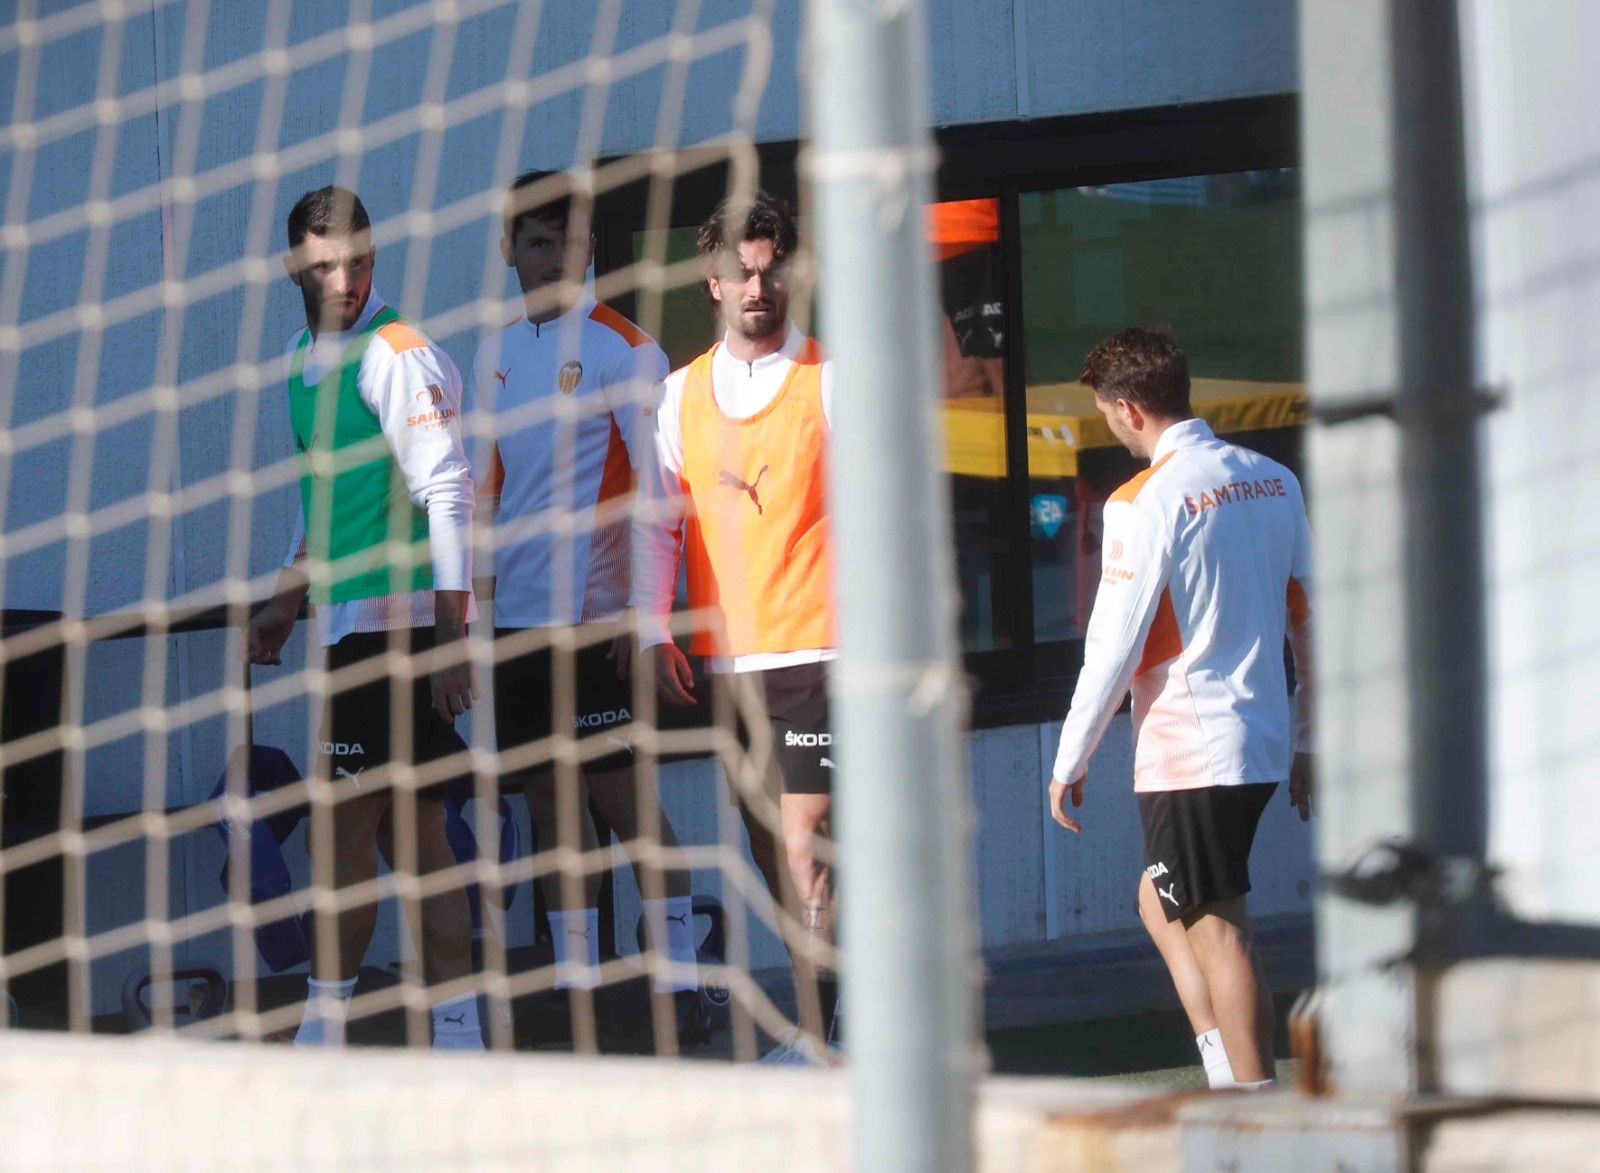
<point>455,1024</point>
<point>327,1007</point>
<point>672,920</point>
<point>577,940</point>
<point>1219,1072</point>
<point>1260,1085</point>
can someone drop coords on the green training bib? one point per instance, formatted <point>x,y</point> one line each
<point>364,537</point>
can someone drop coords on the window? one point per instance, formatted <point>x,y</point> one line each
<point>1048,235</point>
<point>965,235</point>
<point>1216,258</point>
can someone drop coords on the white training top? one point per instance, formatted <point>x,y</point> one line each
<point>553,413</point>
<point>431,459</point>
<point>1207,561</point>
<point>742,390</point>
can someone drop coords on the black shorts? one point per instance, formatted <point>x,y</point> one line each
<point>796,701</point>
<point>358,726</point>
<point>1197,843</point>
<point>525,695</point>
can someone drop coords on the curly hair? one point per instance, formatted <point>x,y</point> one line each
<point>1144,365</point>
<point>763,217</point>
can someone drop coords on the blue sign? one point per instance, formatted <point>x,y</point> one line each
<point>1046,514</point>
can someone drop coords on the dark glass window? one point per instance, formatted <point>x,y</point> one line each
<point>1214,257</point>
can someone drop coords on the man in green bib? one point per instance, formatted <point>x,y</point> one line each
<point>382,545</point>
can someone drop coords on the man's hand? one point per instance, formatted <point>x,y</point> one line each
<point>455,685</point>
<point>674,677</point>
<point>1058,791</point>
<point>268,630</point>
<point>1302,785</point>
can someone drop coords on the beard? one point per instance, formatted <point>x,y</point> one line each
<point>761,323</point>
<point>332,314</point>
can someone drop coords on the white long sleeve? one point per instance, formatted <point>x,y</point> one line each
<point>416,395</point>
<point>658,519</point>
<point>1206,559</point>
<point>1124,607</point>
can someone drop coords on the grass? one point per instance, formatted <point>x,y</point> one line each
<point>1154,1049</point>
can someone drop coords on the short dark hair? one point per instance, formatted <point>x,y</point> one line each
<point>522,204</point>
<point>761,217</point>
<point>1144,365</point>
<point>328,211</point>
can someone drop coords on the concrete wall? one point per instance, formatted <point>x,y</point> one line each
<point>1535,165</point>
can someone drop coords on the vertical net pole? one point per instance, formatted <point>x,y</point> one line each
<point>898,699</point>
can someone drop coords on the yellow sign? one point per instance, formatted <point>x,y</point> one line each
<point>1068,422</point>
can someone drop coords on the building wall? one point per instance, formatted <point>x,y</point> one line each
<point>1035,882</point>
<point>253,140</point>
<point>1535,161</point>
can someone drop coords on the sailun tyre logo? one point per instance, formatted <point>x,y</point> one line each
<point>569,376</point>
<point>431,396</point>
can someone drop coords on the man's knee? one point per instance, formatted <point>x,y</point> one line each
<point>356,820</point>
<point>615,796</point>
<point>1221,924</point>
<point>799,849</point>
<point>542,806</point>
<point>804,835</point>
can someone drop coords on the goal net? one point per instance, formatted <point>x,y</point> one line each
<point>187,838</point>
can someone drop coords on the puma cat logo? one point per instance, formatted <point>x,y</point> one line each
<point>735,482</point>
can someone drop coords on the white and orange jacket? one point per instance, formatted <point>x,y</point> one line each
<point>556,414</point>
<point>1206,566</point>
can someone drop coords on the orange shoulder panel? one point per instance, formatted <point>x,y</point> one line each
<point>810,354</point>
<point>401,336</point>
<point>1129,489</point>
<point>614,321</point>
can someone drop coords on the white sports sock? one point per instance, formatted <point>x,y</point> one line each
<point>322,1024</point>
<point>455,1024</point>
<point>1219,1072</point>
<point>672,920</point>
<point>577,961</point>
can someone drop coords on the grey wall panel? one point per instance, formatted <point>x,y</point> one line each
<point>1089,55</point>
<point>1010,847</point>
<point>1097,871</point>
<point>974,60</point>
<point>1534,141</point>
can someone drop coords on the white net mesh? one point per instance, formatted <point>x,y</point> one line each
<point>149,156</point>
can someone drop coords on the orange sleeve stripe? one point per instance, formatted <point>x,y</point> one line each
<point>1129,489</point>
<point>401,337</point>
<point>609,318</point>
<point>1299,603</point>
<point>616,477</point>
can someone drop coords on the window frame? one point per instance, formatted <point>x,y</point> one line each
<point>1025,682</point>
